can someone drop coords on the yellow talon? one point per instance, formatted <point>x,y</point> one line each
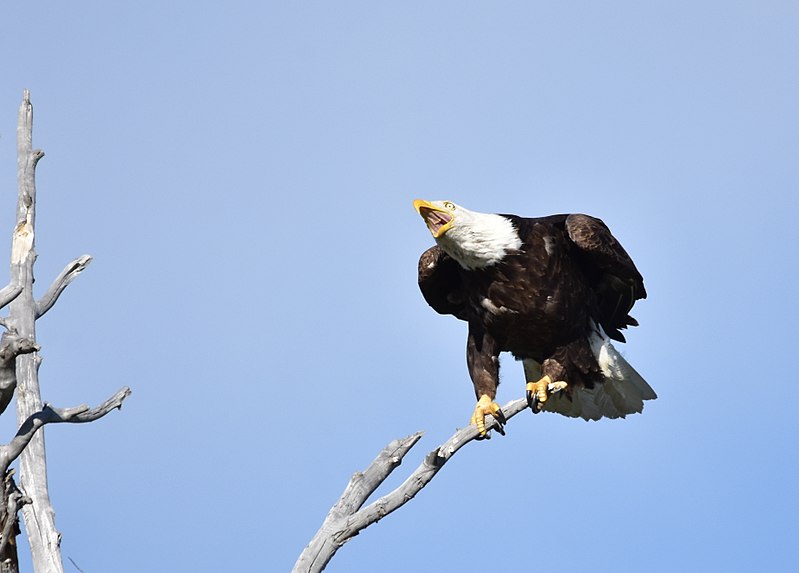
<point>539,389</point>
<point>542,389</point>
<point>485,407</point>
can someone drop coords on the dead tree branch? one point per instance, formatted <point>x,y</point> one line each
<point>71,271</point>
<point>347,518</point>
<point>49,415</point>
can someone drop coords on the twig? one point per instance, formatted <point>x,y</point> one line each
<point>71,560</point>
<point>346,518</point>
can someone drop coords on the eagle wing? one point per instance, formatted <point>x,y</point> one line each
<point>610,269</point>
<point>441,283</point>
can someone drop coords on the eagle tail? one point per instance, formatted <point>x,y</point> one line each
<point>624,388</point>
<point>622,392</point>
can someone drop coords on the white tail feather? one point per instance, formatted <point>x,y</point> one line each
<point>622,392</point>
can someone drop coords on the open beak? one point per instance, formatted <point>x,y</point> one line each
<point>438,220</point>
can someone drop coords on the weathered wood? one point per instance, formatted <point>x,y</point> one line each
<point>11,346</point>
<point>49,415</point>
<point>9,524</point>
<point>39,515</point>
<point>70,272</point>
<point>14,498</point>
<point>347,518</point>
<point>18,345</point>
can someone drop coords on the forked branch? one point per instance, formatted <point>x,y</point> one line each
<point>347,517</point>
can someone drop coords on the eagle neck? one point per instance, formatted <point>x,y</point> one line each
<point>480,241</point>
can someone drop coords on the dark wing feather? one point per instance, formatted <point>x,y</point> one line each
<point>441,282</point>
<point>617,282</point>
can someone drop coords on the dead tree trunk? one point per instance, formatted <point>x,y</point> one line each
<point>19,366</point>
<point>22,320</point>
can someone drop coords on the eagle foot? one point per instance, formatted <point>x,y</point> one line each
<point>485,407</point>
<point>538,392</point>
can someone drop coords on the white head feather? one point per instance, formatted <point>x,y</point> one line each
<point>475,240</point>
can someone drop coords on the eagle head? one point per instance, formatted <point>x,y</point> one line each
<point>475,240</point>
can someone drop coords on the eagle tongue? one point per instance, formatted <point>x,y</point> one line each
<point>435,219</point>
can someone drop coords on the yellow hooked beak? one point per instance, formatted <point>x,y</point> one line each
<point>438,219</point>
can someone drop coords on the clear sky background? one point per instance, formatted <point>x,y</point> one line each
<point>243,174</point>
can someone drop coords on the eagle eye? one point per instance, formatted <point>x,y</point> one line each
<point>449,205</point>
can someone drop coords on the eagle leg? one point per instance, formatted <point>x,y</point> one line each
<point>485,407</point>
<point>538,392</point>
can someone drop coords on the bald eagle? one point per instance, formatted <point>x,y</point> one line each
<point>553,291</point>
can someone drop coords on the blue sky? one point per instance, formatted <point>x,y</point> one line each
<point>243,176</point>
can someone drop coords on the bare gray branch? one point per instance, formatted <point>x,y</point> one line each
<point>50,415</point>
<point>61,282</point>
<point>346,519</point>
<point>323,546</point>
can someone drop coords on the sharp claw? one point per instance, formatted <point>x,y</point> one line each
<point>499,428</point>
<point>500,416</point>
<point>538,392</point>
